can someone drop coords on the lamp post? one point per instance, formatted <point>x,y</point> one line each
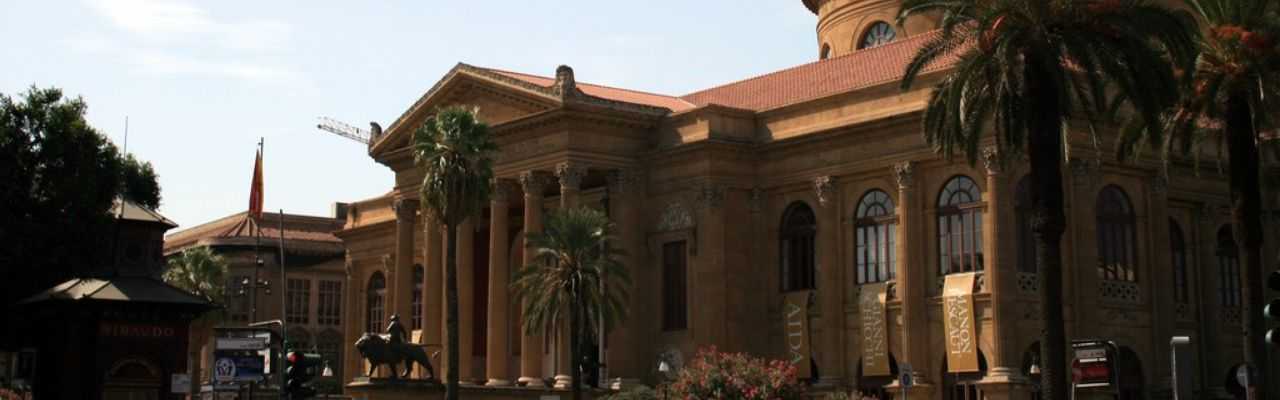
<point>665,370</point>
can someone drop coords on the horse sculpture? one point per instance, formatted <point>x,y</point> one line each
<point>378,350</point>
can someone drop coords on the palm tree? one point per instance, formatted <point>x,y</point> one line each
<point>576,272</point>
<point>1025,70</point>
<point>203,273</point>
<point>1229,98</point>
<point>199,271</point>
<point>455,151</point>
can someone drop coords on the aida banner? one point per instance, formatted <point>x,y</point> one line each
<point>875,343</point>
<point>958,321</point>
<point>795,319</point>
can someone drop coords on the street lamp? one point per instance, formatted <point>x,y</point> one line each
<point>327,372</point>
<point>665,370</point>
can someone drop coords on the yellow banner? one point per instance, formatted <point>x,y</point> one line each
<point>962,335</point>
<point>795,319</point>
<point>875,342</point>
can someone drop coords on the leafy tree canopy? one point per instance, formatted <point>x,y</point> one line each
<point>60,177</point>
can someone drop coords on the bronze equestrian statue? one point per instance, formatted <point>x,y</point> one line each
<point>393,349</point>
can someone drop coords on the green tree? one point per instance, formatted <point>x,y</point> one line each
<point>1229,99</point>
<point>575,272</point>
<point>1024,70</point>
<point>139,182</point>
<point>455,152</point>
<point>199,271</point>
<point>59,177</point>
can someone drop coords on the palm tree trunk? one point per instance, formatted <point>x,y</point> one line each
<point>1246,207</point>
<point>575,361</point>
<point>451,310</point>
<point>1044,145</point>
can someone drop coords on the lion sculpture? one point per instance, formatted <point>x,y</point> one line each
<point>378,351</point>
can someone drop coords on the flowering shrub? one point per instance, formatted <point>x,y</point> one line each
<point>735,376</point>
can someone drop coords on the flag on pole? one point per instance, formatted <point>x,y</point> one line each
<point>255,191</point>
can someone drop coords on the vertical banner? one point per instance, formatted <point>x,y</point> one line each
<point>958,321</point>
<point>795,319</point>
<point>875,341</point>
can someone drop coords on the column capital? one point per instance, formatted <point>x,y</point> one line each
<point>533,182</point>
<point>824,188</point>
<point>710,196</point>
<point>904,173</point>
<point>405,208</point>
<point>1160,185</point>
<point>501,190</point>
<point>623,181</point>
<point>570,174</point>
<point>1083,171</point>
<point>992,158</point>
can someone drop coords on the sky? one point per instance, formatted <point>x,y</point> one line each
<point>201,81</point>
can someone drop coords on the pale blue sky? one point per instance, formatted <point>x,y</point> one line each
<point>201,81</point>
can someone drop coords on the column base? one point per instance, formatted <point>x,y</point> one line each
<point>531,382</point>
<point>497,382</point>
<point>623,383</point>
<point>563,381</point>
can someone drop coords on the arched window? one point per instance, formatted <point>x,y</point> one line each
<point>799,226</point>
<point>376,295</point>
<point>1117,243</point>
<point>878,34</point>
<point>1178,257</point>
<point>1228,269</point>
<point>874,234</point>
<point>418,276</point>
<point>959,227</point>
<point>826,52</point>
<point>1026,238</point>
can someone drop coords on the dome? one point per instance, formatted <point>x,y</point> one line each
<point>845,26</point>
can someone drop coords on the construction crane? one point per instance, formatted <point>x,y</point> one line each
<point>350,132</point>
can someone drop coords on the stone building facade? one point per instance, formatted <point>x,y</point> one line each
<point>811,189</point>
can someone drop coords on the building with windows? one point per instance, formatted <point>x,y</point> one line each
<point>310,297</point>
<point>806,197</point>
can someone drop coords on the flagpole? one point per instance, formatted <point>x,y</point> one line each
<point>257,244</point>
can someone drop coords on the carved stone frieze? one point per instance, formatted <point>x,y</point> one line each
<point>1083,171</point>
<point>824,188</point>
<point>501,190</point>
<point>904,174</point>
<point>675,216</point>
<point>1160,185</point>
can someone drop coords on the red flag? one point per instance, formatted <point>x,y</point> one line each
<point>255,191</point>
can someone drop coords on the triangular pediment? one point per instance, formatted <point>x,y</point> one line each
<point>498,98</point>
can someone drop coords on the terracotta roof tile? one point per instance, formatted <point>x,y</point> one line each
<point>624,95</point>
<point>860,69</point>
<point>240,225</point>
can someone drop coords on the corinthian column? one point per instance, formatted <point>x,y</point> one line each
<point>622,357</point>
<point>498,343</point>
<point>433,287</point>
<point>911,281</point>
<point>830,283</point>
<point>570,175</point>
<point>406,213</point>
<point>999,269</point>
<point>531,344</point>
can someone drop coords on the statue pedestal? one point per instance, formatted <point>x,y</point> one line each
<point>420,389</point>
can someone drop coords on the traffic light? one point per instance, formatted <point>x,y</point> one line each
<point>1272,309</point>
<point>300,368</point>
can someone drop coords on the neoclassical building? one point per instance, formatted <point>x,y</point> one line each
<point>800,215</point>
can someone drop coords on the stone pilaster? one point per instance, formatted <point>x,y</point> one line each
<point>1163,301</point>
<point>911,278</point>
<point>830,285</point>
<point>402,279</point>
<point>623,357</point>
<point>498,342</point>
<point>533,185</point>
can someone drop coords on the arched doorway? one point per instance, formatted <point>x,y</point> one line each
<point>963,386</point>
<point>873,387</point>
<point>132,379</point>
